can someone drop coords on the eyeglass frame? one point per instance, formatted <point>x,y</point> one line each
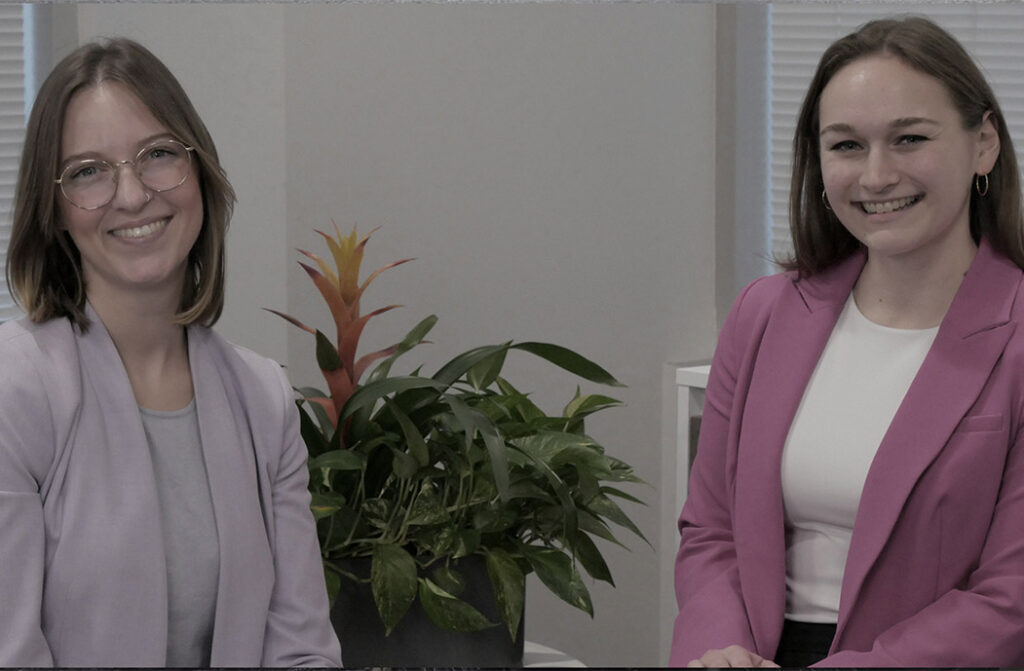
<point>116,169</point>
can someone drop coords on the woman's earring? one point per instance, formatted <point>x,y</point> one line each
<point>982,190</point>
<point>824,199</point>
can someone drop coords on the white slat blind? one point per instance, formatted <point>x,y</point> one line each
<point>800,33</point>
<point>12,131</point>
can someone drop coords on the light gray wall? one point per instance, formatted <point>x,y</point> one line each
<point>552,168</point>
<point>742,188</point>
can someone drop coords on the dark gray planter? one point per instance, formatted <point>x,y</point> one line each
<point>417,641</point>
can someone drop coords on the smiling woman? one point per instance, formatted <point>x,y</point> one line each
<point>898,165</point>
<point>858,486</point>
<point>140,453</point>
<point>133,239</point>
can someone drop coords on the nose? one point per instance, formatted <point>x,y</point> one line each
<point>129,191</point>
<point>879,171</point>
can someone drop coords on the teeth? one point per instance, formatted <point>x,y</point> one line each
<point>888,206</point>
<point>140,231</point>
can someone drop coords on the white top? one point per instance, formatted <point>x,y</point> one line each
<point>857,386</point>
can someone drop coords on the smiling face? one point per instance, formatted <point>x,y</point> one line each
<point>140,240</point>
<point>897,163</point>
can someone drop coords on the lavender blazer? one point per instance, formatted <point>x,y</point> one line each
<point>82,573</point>
<point>935,571</point>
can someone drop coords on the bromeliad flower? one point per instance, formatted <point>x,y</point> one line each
<point>341,290</point>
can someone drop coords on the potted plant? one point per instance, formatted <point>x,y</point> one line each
<point>417,479</point>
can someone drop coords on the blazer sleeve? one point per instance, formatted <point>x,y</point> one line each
<point>299,631</point>
<point>26,452</point>
<point>980,624</point>
<point>711,609</point>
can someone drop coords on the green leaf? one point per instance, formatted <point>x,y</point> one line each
<point>546,445</point>
<point>339,460</point>
<point>493,519</point>
<point>611,491</point>
<point>604,507</point>
<point>333,582</point>
<point>457,367</point>
<point>590,558</point>
<point>528,489</point>
<point>324,504</point>
<point>427,508</point>
<point>596,526</point>
<point>589,404</point>
<point>559,574</point>
<point>326,355</point>
<point>367,395</point>
<point>587,486</point>
<point>623,472</point>
<point>583,457</point>
<point>448,579</point>
<point>483,374</point>
<point>393,581</point>
<point>448,612</point>
<point>309,392</point>
<point>473,420</point>
<point>403,464</point>
<point>438,541</point>
<point>509,585</point>
<point>568,360</point>
<point>527,410</point>
<point>319,413</point>
<point>312,435</point>
<point>561,491</point>
<point>468,541</point>
<point>414,441</point>
<point>376,511</point>
<point>411,339</point>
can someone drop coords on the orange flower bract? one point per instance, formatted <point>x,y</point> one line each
<point>339,285</point>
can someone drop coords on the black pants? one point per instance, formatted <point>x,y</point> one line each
<point>804,643</point>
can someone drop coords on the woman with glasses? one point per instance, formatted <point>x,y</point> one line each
<point>857,497</point>
<point>153,494</point>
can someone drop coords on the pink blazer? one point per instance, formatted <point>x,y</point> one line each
<point>82,574</point>
<point>935,571</point>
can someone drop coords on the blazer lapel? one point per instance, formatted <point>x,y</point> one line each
<point>970,340</point>
<point>793,340</point>
<point>246,565</point>
<point>112,442</point>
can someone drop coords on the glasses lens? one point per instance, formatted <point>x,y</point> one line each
<point>88,184</point>
<point>164,165</point>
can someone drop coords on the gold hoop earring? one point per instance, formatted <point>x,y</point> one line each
<point>824,199</point>
<point>982,191</point>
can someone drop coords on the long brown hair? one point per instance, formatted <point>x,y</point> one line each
<point>819,239</point>
<point>44,268</point>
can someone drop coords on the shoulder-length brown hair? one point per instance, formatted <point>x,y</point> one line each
<point>44,268</point>
<point>819,239</point>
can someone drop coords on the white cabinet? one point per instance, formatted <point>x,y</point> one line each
<point>683,386</point>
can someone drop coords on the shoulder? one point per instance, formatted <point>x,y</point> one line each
<point>758,299</point>
<point>23,337</point>
<point>259,380</point>
<point>40,393</point>
<point>37,355</point>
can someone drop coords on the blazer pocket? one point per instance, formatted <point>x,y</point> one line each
<point>980,423</point>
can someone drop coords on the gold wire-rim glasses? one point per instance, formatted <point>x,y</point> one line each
<point>115,171</point>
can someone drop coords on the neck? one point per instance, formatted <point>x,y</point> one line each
<point>912,293</point>
<point>153,348</point>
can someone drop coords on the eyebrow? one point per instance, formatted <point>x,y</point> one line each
<point>902,122</point>
<point>142,144</point>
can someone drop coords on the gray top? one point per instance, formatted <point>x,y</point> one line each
<point>189,532</point>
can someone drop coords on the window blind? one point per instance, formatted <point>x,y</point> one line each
<point>12,132</point>
<point>800,33</point>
